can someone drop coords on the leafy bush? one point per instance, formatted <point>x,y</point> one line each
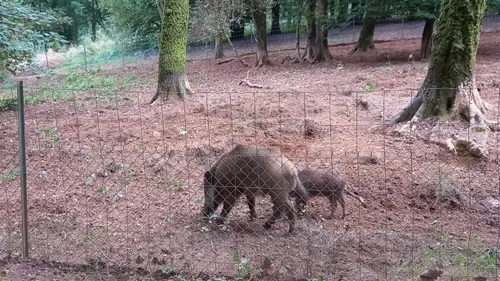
<point>23,30</point>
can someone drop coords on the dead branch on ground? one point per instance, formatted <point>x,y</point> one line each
<point>248,83</point>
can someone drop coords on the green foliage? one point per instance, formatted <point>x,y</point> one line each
<point>135,23</point>
<point>208,19</point>
<point>89,80</point>
<point>411,9</point>
<point>242,264</point>
<point>8,104</point>
<point>22,29</point>
<point>493,6</point>
<point>83,15</point>
<point>168,270</point>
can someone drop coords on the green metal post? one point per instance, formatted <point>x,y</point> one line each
<point>22,168</point>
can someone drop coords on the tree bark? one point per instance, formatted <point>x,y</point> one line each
<point>449,90</point>
<point>311,26</point>
<point>159,5</point>
<point>259,16</point>
<point>299,5</point>
<point>172,77</point>
<point>219,50</point>
<point>365,40</point>
<point>275,26</point>
<point>322,53</point>
<point>219,47</point>
<point>426,44</point>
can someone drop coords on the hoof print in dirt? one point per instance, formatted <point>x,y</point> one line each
<point>445,196</point>
<point>369,160</point>
<point>310,128</point>
<point>431,275</point>
<point>362,103</point>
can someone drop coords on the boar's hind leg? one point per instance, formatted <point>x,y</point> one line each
<point>333,204</point>
<point>337,195</point>
<point>251,205</point>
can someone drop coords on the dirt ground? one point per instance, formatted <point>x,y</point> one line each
<point>115,192</point>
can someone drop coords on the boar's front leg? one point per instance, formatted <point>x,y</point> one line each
<point>229,198</point>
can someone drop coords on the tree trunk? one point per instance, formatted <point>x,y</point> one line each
<point>365,40</point>
<point>299,5</point>
<point>321,52</point>
<point>311,26</point>
<point>452,62</point>
<point>172,77</point>
<point>219,50</point>
<point>94,27</point>
<point>159,5</point>
<point>259,16</point>
<point>426,44</point>
<point>275,26</point>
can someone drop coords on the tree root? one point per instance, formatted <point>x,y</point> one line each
<point>289,60</point>
<point>464,144</point>
<point>172,83</point>
<point>356,48</point>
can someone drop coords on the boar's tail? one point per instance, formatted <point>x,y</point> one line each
<point>360,199</point>
<point>301,191</point>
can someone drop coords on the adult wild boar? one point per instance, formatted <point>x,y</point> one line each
<point>253,170</point>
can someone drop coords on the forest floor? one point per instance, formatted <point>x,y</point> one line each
<point>114,184</point>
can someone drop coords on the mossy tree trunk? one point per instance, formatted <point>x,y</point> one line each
<point>275,26</point>
<point>259,16</point>
<point>172,78</point>
<point>452,62</point>
<point>365,40</point>
<point>426,44</point>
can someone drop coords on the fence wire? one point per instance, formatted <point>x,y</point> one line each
<point>129,52</point>
<point>116,182</point>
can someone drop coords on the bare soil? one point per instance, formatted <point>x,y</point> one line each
<point>117,187</point>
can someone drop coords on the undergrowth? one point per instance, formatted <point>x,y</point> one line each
<point>454,256</point>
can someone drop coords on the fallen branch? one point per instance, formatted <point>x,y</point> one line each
<point>225,61</point>
<point>248,83</point>
<point>240,59</point>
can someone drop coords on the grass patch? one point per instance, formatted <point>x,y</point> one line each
<point>102,52</point>
<point>90,84</point>
<point>83,81</point>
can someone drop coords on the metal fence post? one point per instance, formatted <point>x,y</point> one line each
<point>22,168</point>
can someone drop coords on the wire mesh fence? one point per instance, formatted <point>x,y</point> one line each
<point>116,182</point>
<point>128,52</point>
